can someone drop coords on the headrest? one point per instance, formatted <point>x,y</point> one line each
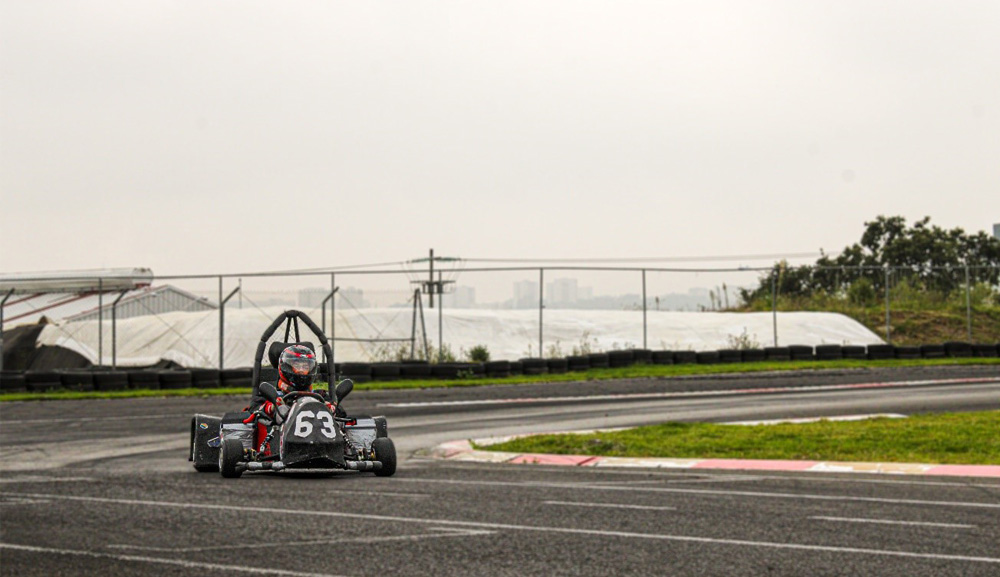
<point>276,347</point>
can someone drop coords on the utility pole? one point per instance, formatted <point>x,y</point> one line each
<point>433,286</point>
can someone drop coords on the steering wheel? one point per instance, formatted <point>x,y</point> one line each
<point>293,396</point>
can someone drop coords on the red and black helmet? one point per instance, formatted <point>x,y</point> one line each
<point>297,367</point>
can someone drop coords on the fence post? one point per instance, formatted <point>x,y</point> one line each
<point>888,330</point>
<point>541,293</point>
<point>3,304</point>
<point>644,325</point>
<point>333,321</point>
<point>100,322</point>
<point>222,319</point>
<point>774,303</point>
<point>114,330</point>
<point>440,287</point>
<point>968,302</point>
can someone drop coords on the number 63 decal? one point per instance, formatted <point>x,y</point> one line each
<point>304,426</point>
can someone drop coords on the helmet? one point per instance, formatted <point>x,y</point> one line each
<point>296,368</point>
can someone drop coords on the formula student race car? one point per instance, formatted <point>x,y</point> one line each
<point>303,434</point>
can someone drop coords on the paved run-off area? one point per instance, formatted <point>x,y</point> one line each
<point>92,501</point>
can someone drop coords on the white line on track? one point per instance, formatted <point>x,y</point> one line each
<point>889,522</point>
<point>683,394</point>
<point>510,527</point>
<point>8,422</point>
<point>161,561</point>
<point>610,506</point>
<point>807,497</point>
<point>333,540</point>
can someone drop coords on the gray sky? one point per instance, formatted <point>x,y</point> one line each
<point>212,137</point>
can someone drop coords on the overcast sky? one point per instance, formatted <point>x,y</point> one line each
<point>231,136</point>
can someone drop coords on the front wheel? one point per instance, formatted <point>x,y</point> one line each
<point>385,451</point>
<point>230,454</point>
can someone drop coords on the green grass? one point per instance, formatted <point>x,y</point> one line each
<point>632,372</point>
<point>955,438</point>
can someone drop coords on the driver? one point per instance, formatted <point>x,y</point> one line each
<point>296,372</point>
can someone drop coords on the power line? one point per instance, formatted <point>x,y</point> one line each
<point>653,259</point>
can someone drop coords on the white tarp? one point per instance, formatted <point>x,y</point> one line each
<point>191,339</point>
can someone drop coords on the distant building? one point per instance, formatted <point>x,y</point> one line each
<point>562,291</point>
<point>351,297</point>
<point>525,294</point>
<point>312,297</point>
<point>464,297</point>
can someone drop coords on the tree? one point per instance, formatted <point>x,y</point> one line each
<point>925,255</point>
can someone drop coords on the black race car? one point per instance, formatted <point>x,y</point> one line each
<point>304,433</point>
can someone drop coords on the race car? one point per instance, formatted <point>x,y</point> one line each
<point>306,430</point>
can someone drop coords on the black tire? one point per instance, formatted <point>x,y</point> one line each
<point>880,352</point>
<point>599,360</point>
<point>497,368</point>
<point>557,366</point>
<point>385,372</point>
<point>707,357</point>
<point>415,371</point>
<point>230,454</point>
<point>753,355</point>
<point>685,357</point>
<point>205,378</point>
<point>12,382</point>
<point>730,356</point>
<point>578,363</point>
<point>140,380</point>
<point>534,366</point>
<point>802,353</point>
<point>75,380</point>
<point>618,359</point>
<point>385,451</point>
<point>175,379</point>
<point>42,381</point>
<point>663,357</point>
<point>642,356</point>
<point>829,352</point>
<point>777,353</point>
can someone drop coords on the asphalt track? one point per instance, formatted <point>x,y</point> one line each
<point>103,488</point>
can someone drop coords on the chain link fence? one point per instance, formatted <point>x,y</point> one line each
<point>544,311</point>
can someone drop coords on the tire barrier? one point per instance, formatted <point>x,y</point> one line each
<point>106,379</point>
<point>618,359</point>
<point>642,356</point>
<point>415,371</point>
<point>205,378</point>
<point>12,382</point>
<point>77,380</point>
<point>730,356</point>
<point>599,360</point>
<point>777,353</point>
<point>857,352</point>
<point>533,366</point>
<point>880,352</point>
<point>662,357</point>
<point>557,366</point>
<point>577,363</point>
<point>496,369</point>
<point>143,379</point>
<point>239,378</point>
<point>386,372</point>
<point>958,349</point>
<point>357,372</point>
<point>175,379</point>
<point>110,381</point>
<point>685,357</point>
<point>829,352</point>
<point>42,381</point>
<point>801,352</point>
<point>932,351</point>
<point>985,350</point>
<point>707,357</point>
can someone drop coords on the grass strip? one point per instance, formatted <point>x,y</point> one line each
<point>631,372</point>
<point>949,438</point>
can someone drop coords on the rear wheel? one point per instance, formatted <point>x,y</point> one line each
<point>230,454</point>
<point>385,451</point>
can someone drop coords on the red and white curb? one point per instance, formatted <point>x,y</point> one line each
<point>463,451</point>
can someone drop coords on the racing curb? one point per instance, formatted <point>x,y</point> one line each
<point>464,451</point>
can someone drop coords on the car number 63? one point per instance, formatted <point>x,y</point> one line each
<point>304,426</point>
